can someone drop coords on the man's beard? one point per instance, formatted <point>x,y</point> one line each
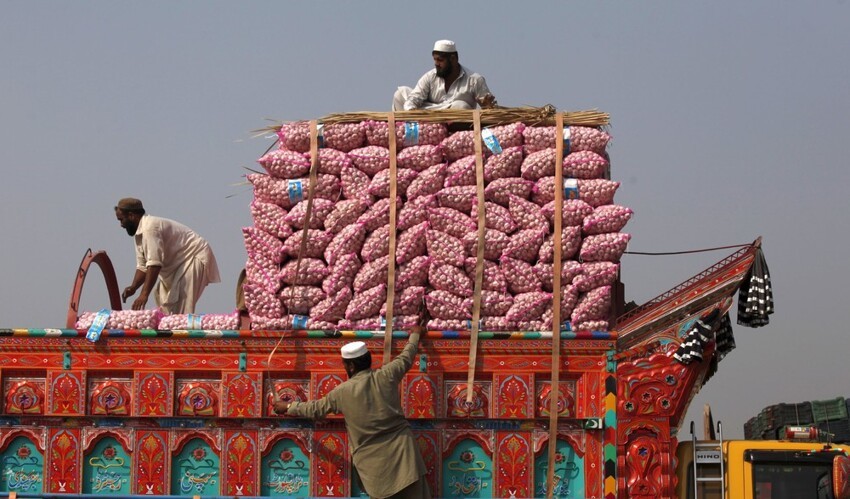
<point>131,228</point>
<point>447,70</point>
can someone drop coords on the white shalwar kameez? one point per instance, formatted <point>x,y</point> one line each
<point>187,261</point>
<point>430,92</point>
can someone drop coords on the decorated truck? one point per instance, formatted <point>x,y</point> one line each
<point>495,229</point>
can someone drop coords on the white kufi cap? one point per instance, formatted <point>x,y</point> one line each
<point>353,350</point>
<point>444,46</point>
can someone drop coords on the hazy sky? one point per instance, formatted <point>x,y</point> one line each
<point>730,120</point>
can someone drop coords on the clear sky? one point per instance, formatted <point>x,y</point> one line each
<point>730,120</point>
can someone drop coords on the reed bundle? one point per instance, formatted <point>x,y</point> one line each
<point>489,117</point>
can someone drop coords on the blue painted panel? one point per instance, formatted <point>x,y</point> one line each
<point>286,471</point>
<point>195,471</point>
<point>107,469</point>
<point>569,472</point>
<point>22,468</point>
<point>468,471</point>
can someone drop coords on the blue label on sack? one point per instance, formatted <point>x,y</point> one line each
<point>491,141</point>
<point>566,326</point>
<point>295,188</point>
<point>299,321</point>
<point>97,325</point>
<point>194,321</point>
<point>566,140</point>
<point>571,188</point>
<point>480,324</point>
<point>411,133</point>
<point>320,130</point>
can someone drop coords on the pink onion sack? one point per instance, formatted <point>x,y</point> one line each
<point>607,247</point>
<point>344,136</point>
<point>270,218</point>
<point>607,218</point>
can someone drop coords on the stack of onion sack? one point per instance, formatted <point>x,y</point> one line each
<point>334,275</point>
<point>342,281</point>
<point>156,319</point>
<point>124,319</point>
<point>200,321</point>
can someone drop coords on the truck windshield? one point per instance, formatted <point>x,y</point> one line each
<point>791,476</point>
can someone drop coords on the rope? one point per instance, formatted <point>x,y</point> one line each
<point>687,252</point>
<point>479,258</point>
<point>556,304</point>
<point>388,332</point>
<point>314,171</point>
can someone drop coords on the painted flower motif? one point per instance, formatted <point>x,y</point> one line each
<point>109,453</point>
<point>286,456</point>
<point>467,456</point>
<point>23,452</point>
<point>559,457</point>
<point>199,453</point>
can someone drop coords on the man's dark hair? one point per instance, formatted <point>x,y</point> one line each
<point>130,205</point>
<point>361,363</point>
<point>140,211</point>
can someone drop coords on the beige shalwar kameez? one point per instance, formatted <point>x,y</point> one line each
<point>187,262</point>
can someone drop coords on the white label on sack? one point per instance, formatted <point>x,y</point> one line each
<point>320,130</point>
<point>295,189</point>
<point>97,325</point>
<point>566,140</point>
<point>411,133</point>
<point>571,189</point>
<point>491,141</point>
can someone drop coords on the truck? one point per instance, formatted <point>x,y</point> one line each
<point>797,466</point>
<point>559,410</point>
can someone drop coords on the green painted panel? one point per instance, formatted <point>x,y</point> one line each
<point>286,471</point>
<point>107,469</point>
<point>22,468</point>
<point>468,471</point>
<point>196,470</point>
<point>569,472</point>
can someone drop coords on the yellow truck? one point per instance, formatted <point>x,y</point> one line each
<point>763,469</point>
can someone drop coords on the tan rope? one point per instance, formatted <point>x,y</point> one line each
<point>388,332</point>
<point>479,257</point>
<point>556,302</point>
<point>314,175</point>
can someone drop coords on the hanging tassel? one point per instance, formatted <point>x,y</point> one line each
<point>694,341</point>
<point>755,298</point>
<point>725,338</point>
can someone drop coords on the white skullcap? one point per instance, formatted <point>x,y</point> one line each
<point>353,350</point>
<point>444,46</point>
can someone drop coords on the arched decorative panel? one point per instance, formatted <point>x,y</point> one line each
<point>107,469</point>
<point>286,471</point>
<point>21,467</point>
<point>195,470</point>
<point>569,472</point>
<point>467,471</point>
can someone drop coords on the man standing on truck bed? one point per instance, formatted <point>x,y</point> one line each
<point>448,86</point>
<point>169,255</point>
<point>382,446</point>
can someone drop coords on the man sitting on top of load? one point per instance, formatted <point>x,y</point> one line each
<point>448,86</point>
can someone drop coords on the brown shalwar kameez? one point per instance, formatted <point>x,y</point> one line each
<point>383,448</point>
